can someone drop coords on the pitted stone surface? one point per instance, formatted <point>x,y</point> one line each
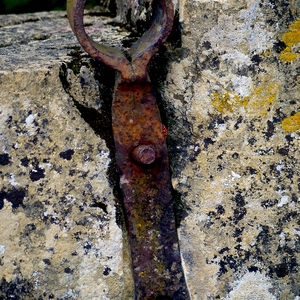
<point>233,104</point>
<point>58,235</point>
<point>229,82</point>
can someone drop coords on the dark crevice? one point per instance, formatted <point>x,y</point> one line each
<point>158,70</point>
<point>180,208</point>
<point>100,205</point>
<point>100,121</point>
<point>104,8</point>
<point>113,7</point>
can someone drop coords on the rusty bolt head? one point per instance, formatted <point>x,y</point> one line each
<point>144,154</point>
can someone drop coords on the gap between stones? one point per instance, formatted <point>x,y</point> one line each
<point>101,121</point>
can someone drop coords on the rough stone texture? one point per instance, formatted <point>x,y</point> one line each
<point>59,236</point>
<point>232,105</point>
<point>228,80</point>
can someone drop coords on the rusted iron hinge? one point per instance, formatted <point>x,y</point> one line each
<point>142,157</point>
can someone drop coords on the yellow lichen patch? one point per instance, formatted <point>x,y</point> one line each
<point>261,99</point>
<point>291,39</point>
<point>292,123</point>
<point>227,101</point>
<point>266,53</point>
<point>257,102</point>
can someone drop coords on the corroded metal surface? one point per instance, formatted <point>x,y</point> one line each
<point>147,194</point>
<point>140,52</point>
<point>142,158</point>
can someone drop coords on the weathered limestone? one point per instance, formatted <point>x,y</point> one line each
<point>229,85</point>
<point>233,103</point>
<point>58,234</point>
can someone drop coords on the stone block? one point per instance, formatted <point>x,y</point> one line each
<point>228,84</point>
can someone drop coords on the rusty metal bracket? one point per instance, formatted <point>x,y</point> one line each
<point>142,157</point>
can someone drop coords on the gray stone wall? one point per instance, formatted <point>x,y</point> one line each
<point>233,100</point>
<point>228,84</point>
